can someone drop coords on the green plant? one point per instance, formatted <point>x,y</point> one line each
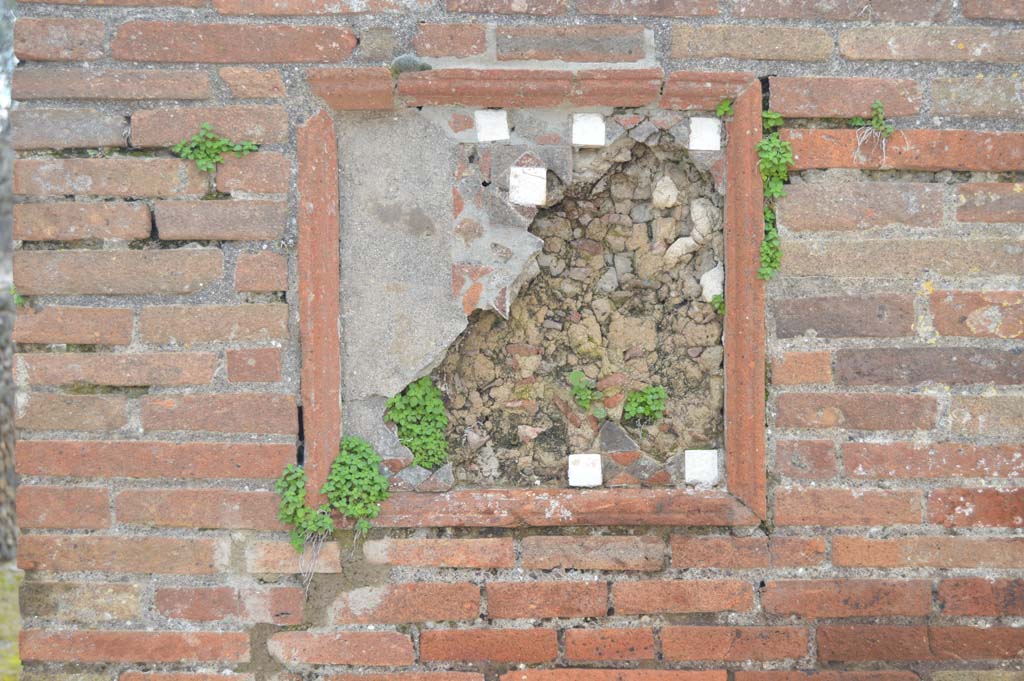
<point>355,486</point>
<point>877,122</point>
<point>771,246</point>
<point>718,303</point>
<point>771,120</point>
<point>645,406</point>
<point>17,298</point>
<point>307,523</point>
<point>207,148</point>
<point>776,158</point>
<point>724,108</point>
<point>419,413</point>
<point>585,395</point>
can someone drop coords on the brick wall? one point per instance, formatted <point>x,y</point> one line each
<point>166,347</point>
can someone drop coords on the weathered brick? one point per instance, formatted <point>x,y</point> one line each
<point>122,459</point>
<point>611,87</point>
<point>819,97</point>
<point>978,597</point>
<point>134,369</point>
<point>681,596</point>
<point>401,603</point>
<point>185,325</point>
<point>371,649</point>
<point>538,600</point>
<point>80,602</point>
<point>263,172</point>
<point>450,40</point>
<point>826,206</point>
<point>940,552</point>
<point>609,644</point>
<point>77,325</point>
<point>407,676</point>
<point>982,96</point>
<point>976,643</point>
<point>802,368</point>
<point>530,646</point>
<point>220,220</point>
<point>280,557</point>
<point>124,3</point>
<point>144,555</point>
<point>454,553</point>
<point>184,676</point>
<point>932,460</point>
<point>990,202</point>
<point>74,221</point>
<point>747,552</point>
<point>976,675</point>
<point>254,366</point>
<point>962,507</point>
<point>932,43</point>
<point>649,8</point>
<point>530,7</point>
<point>107,84</point>
<point>593,553</point>
<point>53,39</point>
<point>133,646</point>
<point>126,272</point>
<point>806,459</point>
<point>511,88</point>
<point>733,644</point>
<point>84,508</point>
<point>750,42</point>
<point>992,416</point>
<point>839,507</point>
<point>167,126</point>
<point>126,177</point>
<point>903,258</point>
<point>856,411</point>
<point>359,89</point>
<point>272,605</point>
<point>854,642</point>
<point>829,598</point>
<point>1009,10</point>
<point>843,10</point>
<point>913,366</point>
<point>700,91</point>
<point>573,674</point>
<point>252,83</point>
<point>67,129</point>
<point>268,413</point>
<point>261,272</point>
<point>295,7</point>
<point>571,43</point>
<point>199,508</point>
<point>979,314</point>
<point>162,41</point>
<point>90,413</point>
<point>790,675</point>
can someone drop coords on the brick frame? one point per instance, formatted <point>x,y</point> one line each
<point>745,503</point>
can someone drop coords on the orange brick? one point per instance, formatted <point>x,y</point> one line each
<point>802,368</point>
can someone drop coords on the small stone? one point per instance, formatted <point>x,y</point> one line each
<point>712,283</point>
<point>665,229</point>
<point>585,470</point>
<point>528,434</point>
<point>440,480</point>
<point>701,466</point>
<point>411,477</point>
<point>528,186</point>
<point>612,438</point>
<point>475,440</point>
<point>706,219</point>
<point>408,63</point>
<point>608,282</point>
<point>644,132</point>
<point>665,194</point>
<point>680,248</point>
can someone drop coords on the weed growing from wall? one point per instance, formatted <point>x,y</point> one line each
<point>724,109</point>
<point>309,525</point>
<point>718,303</point>
<point>776,158</point>
<point>875,128</point>
<point>207,148</point>
<point>645,406</point>
<point>419,413</point>
<point>18,299</point>
<point>586,395</point>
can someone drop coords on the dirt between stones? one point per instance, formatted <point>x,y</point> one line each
<point>618,297</point>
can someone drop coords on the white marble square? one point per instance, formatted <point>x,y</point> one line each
<point>491,125</point>
<point>588,130</point>
<point>705,134</point>
<point>528,186</point>
<point>701,466</point>
<point>584,470</point>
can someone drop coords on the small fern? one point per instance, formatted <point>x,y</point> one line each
<point>419,413</point>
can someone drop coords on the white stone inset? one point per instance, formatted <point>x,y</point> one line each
<point>491,125</point>
<point>701,466</point>
<point>705,134</point>
<point>584,470</point>
<point>588,130</point>
<point>712,283</point>
<point>528,186</point>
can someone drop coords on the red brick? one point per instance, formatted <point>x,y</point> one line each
<point>407,676</point>
<point>914,366</point>
<point>733,644</point>
<point>272,605</point>
<point>122,459</point>
<point>54,39</point>
<point>262,272</point>
<point>280,557</point>
<point>901,258</point>
<point>296,7</point>
<point>74,221</point>
<point>84,508</point>
<point>941,552</point>
<point>802,368</point>
<point>80,602</point>
<point>220,220</point>
<point>185,325</point>
<point>932,460</point>
<point>251,83</point>
<point>837,507</point>
<point>402,603</point>
<point>107,84</point>
<point>932,43</point>
<point>977,643</point>
<point>168,126</point>
<point>843,10</point>
<point>254,366</point>
<point>978,314</point>
<point>134,369</point>
<point>471,87</point>
<point>978,597</point>
<point>90,413</point>
<point>609,644</point>
<point>360,89</point>
<point>998,415</point>
<point>990,202</point>
<point>856,411</point>
<point>199,508</point>
<point>1009,10</point>
<point>626,87</point>
<point>371,649</point>
<point>67,129</point>
<point>593,553</point>
<point>269,413</point>
<point>928,150</point>
<point>530,7</point>
<point>806,459</point>
<point>529,646</point>
<point>454,553</point>
<point>681,596</point>
<point>143,555</point>
<point>977,507</point>
<point>569,674</point>
<point>830,598</point>
<point>856,643</point>
<point>827,676</point>
<point>124,3</point>
<point>982,96</point>
<point>571,43</point>
<point>649,8</point>
<point>161,41</point>
<point>126,177</point>
<point>750,42</point>
<point>112,272</point>
<point>843,97</point>
<point>264,172</point>
<point>746,552</point>
<point>75,325</point>
<point>825,206</point>
<point>539,600</point>
<point>133,646</point>
<point>700,91</point>
<point>450,40</point>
